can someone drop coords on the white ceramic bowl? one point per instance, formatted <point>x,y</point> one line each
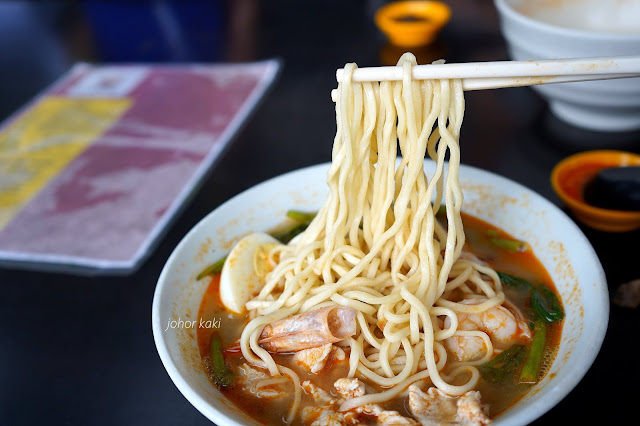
<point>539,29</point>
<point>556,240</point>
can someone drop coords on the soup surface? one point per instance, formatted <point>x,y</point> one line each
<point>513,259</point>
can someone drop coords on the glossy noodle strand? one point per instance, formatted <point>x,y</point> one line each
<point>376,246</point>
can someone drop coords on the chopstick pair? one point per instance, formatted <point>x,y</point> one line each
<point>494,75</point>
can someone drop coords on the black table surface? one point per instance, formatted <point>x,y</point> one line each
<point>78,350</point>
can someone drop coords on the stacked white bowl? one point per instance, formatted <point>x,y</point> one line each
<point>555,29</point>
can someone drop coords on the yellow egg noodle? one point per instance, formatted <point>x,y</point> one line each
<point>376,246</point>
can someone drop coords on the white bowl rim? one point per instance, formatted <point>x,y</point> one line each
<point>534,410</point>
<point>505,7</point>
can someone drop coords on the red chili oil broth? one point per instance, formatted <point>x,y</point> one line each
<point>499,396</point>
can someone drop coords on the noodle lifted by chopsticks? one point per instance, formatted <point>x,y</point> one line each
<point>376,246</point>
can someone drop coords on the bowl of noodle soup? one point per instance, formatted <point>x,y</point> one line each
<point>323,269</point>
<point>557,241</point>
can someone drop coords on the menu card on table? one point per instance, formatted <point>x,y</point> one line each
<point>93,170</point>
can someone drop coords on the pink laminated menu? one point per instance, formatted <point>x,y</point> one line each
<point>92,171</point>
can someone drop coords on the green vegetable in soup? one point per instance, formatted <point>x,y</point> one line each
<point>288,235</point>
<point>503,368</point>
<point>511,245</point>
<point>303,219</point>
<point>212,269</point>
<point>300,216</point>
<point>530,370</point>
<point>513,281</point>
<point>222,375</point>
<point>546,307</point>
<point>544,302</point>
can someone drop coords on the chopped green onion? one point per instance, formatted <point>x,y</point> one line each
<point>300,216</point>
<point>530,370</point>
<point>503,367</point>
<point>442,209</point>
<point>511,245</point>
<point>222,375</point>
<point>212,269</point>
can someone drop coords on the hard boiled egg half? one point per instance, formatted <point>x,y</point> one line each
<point>243,273</point>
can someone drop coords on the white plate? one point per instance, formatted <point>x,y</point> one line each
<point>556,240</point>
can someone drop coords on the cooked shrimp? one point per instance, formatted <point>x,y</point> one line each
<point>503,327</point>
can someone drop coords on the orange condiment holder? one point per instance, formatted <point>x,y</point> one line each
<point>570,176</point>
<point>412,23</point>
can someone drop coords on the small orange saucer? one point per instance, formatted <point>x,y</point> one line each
<point>412,23</point>
<point>569,177</point>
